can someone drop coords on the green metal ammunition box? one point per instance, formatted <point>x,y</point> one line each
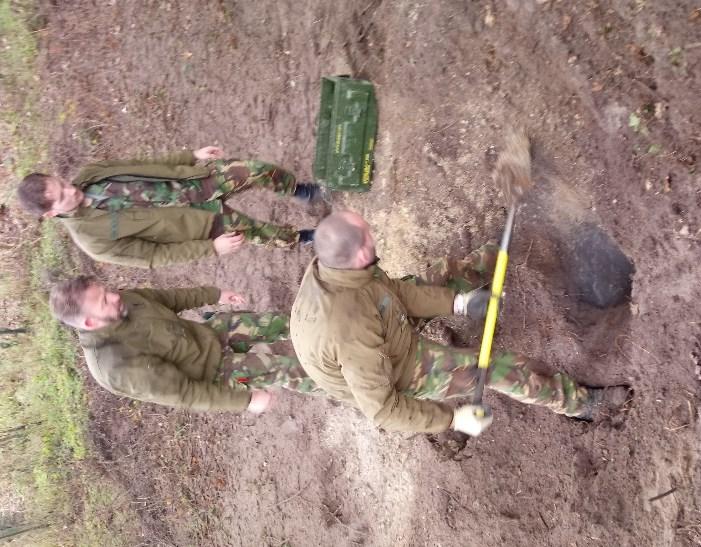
<point>346,134</point>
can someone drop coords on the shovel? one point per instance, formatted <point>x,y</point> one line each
<point>512,174</point>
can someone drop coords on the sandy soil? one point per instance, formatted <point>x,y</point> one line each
<point>132,77</point>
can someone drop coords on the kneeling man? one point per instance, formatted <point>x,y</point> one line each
<point>352,330</point>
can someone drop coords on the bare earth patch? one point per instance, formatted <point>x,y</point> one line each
<point>609,91</point>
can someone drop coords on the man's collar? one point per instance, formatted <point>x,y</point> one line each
<point>77,212</point>
<point>346,278</point>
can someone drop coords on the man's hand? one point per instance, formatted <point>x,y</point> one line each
<point>472,419</point>
<point>230,297</point>
<point>209,153</point>
<point>260,400</point>
<point>228,243</point>
<point>472,304</point>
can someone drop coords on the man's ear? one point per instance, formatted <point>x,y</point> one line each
<point>89,323</point>
<point>366,256</point>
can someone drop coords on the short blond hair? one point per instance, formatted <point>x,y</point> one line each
<point>66,299</point>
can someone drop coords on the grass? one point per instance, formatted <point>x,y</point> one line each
<point>56,384</point>
<point>105,509</point>
<point>20,24</point>
<point>43,427</point>
<point>27,440</point>
<point>19,44</point>
<point>50,494</point>
<point>42,403</point>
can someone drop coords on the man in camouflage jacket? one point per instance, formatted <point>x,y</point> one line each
<point>150,213</point>
<point>137,346</point>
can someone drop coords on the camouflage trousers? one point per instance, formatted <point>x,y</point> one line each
<point>443,372</point>
<point>258,352</point>
<point>227,177</point>
<point>234,176</point>
<point>256,232</point>
<point>462,275</point>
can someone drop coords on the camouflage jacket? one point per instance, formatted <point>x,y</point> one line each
<point>155,356</point>
<point>142,237</point>
<point>351,332</point>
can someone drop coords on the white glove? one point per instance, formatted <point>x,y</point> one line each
<point>472,304</point>
<point>260,401</point>
<point>472,419</point>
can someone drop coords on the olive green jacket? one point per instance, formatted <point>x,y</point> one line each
<point>142,237</point>
<point>180,165</point>
<point>155,356</point>
<point>351,332</point>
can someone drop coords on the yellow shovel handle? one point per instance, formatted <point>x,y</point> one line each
<point>490,322</point>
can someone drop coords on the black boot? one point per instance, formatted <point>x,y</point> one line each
<point>605,401</point>
<point>306,237</point>
<point>310,192</point>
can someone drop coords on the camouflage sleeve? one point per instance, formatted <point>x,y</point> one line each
<point>182,299</point>
<point>424,300</point>
<point>368,371</point>
<point>150,379</point>
<point>183,157</point>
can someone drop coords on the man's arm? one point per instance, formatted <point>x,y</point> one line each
<point>134,251</point>
<point>184,157</point>
<point>182,299</point>
<point>153,380</point>
<point>368,372</point>
<point>424,300</point>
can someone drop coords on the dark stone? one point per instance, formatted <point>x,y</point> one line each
<point>600,273</point>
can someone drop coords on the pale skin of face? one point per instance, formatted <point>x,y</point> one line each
<point>102,307</point>
<point>366,253</point>
<point>64,196</point>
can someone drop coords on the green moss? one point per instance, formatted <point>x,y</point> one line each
<point>19,113</point>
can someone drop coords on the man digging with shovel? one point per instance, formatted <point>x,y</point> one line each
<point>351,330</point>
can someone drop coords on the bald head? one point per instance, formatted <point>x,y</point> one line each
<point>343,241</point>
